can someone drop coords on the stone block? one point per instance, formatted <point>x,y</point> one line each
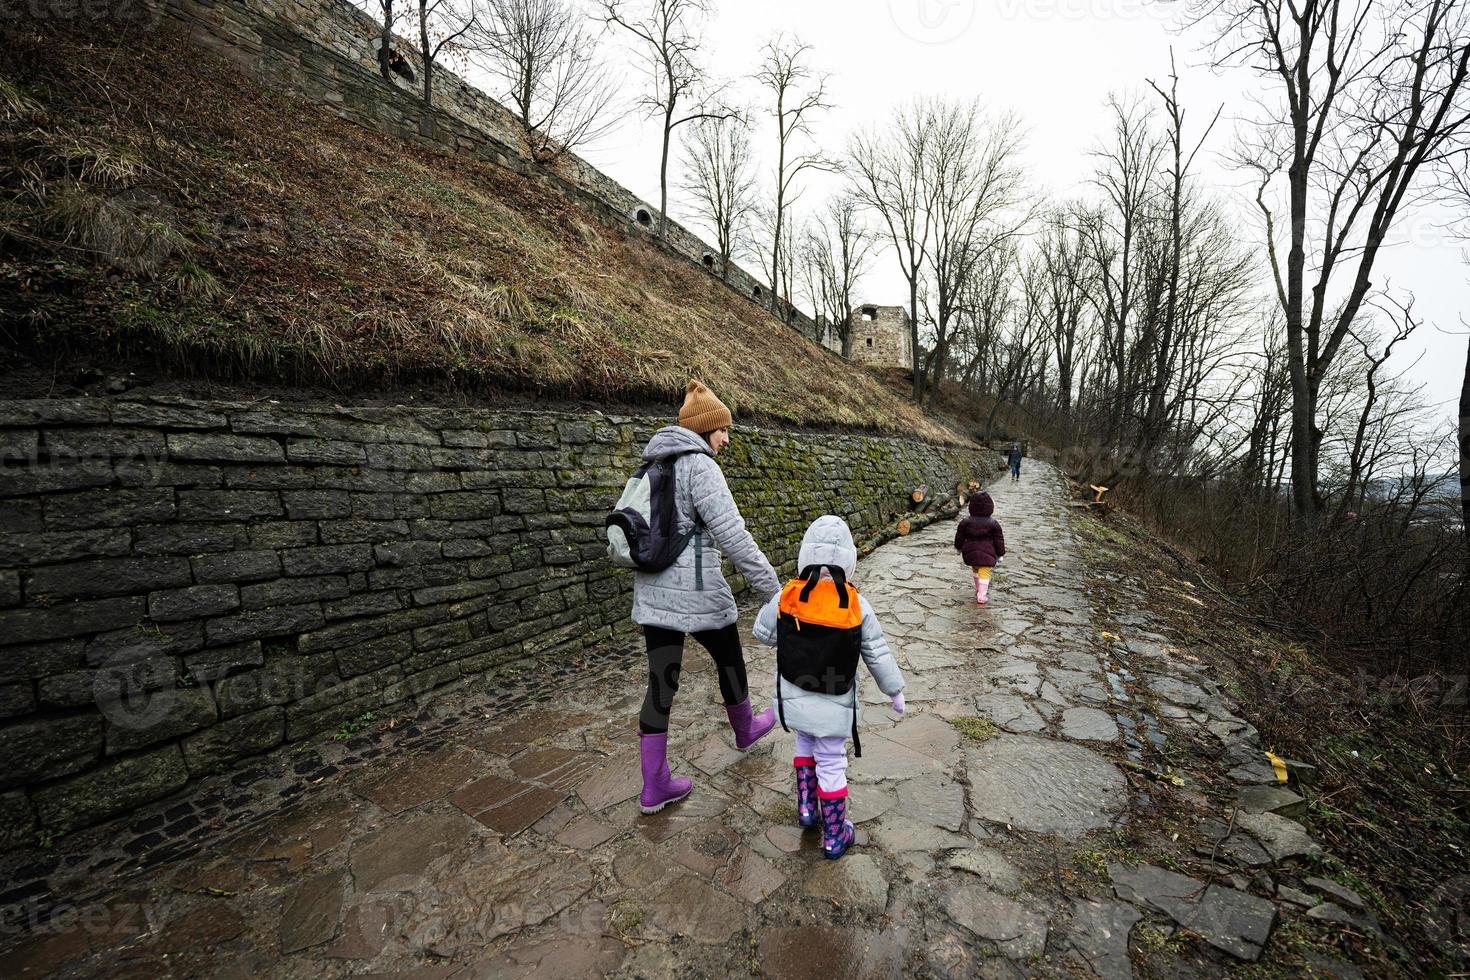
<point>166,417</point>
<point>16,699</point>
<point>114,788</point>
<point>51,547</point>
<point>364,604</point>
<point>328,452</point>
<point>109,508</point>
<point>283,534</point>
<point>55,476</point>
<point>163,715</point>
<point>44,748</point>
<point>373,655</point>
<point>523,500</point>
<point>103,443</point>
<point>351,531</point>
<point>204,506</point>
<point>216,748</point>
<point>316,505</point>
<point>219,448</point>
<point>400,554</point>
<point>264,623</point>
<point>245,477</point>
<point>157,473</point>
<point>30,661</point>
<point>278,682</point>
<point>109,577</point>
<point>328,560</point>
<point>465,505</point>
<point>19,446</point>
<point>17,820</point>
<point>236,566</point>
<point>218,662</point>
<point>187,539</point>
<point>70,619</point>
<point>293,590</point>
<point>18,516</point>
<point>145,641</point>
<point>194,602</point>
<point>9,589</point>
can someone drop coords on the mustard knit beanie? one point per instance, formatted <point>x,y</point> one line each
<point>702,411</point>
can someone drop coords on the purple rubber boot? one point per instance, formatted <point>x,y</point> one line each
<point>749,728</point>
<point>659,788</point>
<point>837,830</point>
<point>806,791</point>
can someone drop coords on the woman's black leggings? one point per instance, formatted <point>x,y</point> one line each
<point>666,660</point>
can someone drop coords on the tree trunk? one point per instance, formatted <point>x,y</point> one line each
<point>386,47</point>
<point>663,176</point>
<point>427,52</point>
<point>1465,446</point>
<point>914,336</point>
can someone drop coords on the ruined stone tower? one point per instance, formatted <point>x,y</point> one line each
<point>880,337</point>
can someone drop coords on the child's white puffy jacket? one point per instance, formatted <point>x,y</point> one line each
<point>829,542</point>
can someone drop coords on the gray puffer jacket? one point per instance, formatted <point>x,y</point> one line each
<point>692,594</point>
<point>829,542</point>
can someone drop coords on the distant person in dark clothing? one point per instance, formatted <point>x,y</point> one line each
<point>1014,457</point>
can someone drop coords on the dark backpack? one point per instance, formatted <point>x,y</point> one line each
<point>819,638</point>
<point>640,529</point>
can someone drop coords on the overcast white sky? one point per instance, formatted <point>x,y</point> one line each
<point>1053,62</point>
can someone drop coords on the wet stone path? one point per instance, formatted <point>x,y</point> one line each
<point>1021,820</point>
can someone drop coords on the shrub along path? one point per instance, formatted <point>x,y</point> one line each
<point>1069,794</point>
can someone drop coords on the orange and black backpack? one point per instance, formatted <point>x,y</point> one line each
<point>819,636</point>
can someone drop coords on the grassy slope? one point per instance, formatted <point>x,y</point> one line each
<point>1390,799</point>
<point>166,208</point>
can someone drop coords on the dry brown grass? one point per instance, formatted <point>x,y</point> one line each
<point>185,214</point>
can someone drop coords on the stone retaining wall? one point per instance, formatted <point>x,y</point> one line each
<point>186,584</point>
<point>326,51</point>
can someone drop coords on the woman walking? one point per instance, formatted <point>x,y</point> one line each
<point>691,596</point>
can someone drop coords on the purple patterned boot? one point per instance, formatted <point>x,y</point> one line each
<point>749,728</point>
<point>659,788</point>
<point>806,791</point>
<point>837,830</point>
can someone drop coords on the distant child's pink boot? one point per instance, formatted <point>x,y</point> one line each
<point>982,591</point>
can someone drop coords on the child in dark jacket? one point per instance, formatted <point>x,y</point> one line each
<point>980,541</point>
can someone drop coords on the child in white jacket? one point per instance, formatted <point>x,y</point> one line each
<point>819,636</point>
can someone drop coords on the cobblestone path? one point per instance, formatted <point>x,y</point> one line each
<point>1017,822</point>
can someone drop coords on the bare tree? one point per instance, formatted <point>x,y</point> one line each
<point>721,181</point>
<point>668,32</point>
<point>975,185</point>
<point>441,24</point>
<point>547,60</point>
<point>1372,102</point>
<point>798,93</point>
<point>836,252</point>
<point>1128,167</point>
<point>888,171</point>
<point>1464,433</point>
<point>1069,282</point>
